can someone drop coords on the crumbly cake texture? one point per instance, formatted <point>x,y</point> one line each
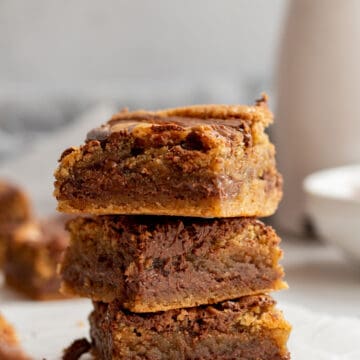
<point>155,263</point>
<point>9,343</point>
<point>201,161</point>
<point>76,349</point>
<point>33,252</point>
<point>14,209</point>
<point>250,328</point>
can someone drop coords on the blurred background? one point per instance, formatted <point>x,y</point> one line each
<point>58,59</point>
<point>65,67</point>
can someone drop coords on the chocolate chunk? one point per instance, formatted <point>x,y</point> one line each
<point>76,349</point>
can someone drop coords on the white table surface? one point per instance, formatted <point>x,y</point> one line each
<point>322,304</point>
<point>320,278</point>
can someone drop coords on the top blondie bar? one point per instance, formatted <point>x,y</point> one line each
<point>201,161</point>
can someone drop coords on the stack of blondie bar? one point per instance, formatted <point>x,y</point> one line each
<point>172,255</point>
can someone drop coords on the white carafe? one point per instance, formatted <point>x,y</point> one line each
<point>318,97</point>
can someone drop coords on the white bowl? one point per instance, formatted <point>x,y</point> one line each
<point>333,203</point>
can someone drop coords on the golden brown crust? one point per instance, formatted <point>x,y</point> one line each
<point>257,113</point>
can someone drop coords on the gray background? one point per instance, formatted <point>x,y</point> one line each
<point>68,43</point>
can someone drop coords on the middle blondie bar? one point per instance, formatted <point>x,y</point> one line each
<point>151,263</point>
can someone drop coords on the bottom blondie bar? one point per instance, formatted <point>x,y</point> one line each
<point>248,328</point>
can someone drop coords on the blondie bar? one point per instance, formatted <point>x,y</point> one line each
<point>154,263</point>
<point>250,328</point>
<point>32,255</point>
<point>14,209</point>
<point>14,204</point>
<point>202,161</point>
